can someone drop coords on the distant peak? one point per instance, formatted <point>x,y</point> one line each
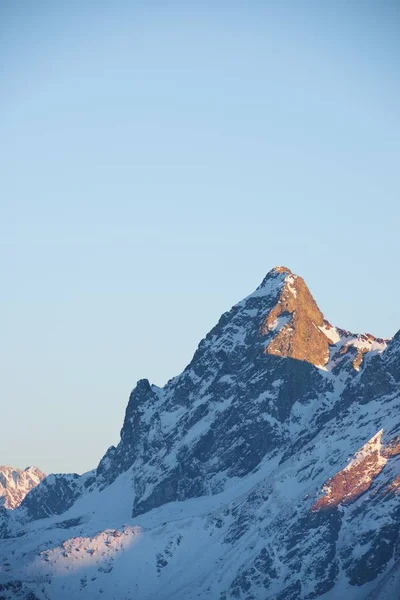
<point>15,484</point>
<point>34,469</point>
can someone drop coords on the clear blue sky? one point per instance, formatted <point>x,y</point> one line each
<point>157,159</point>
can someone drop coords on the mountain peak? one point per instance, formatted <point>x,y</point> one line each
<point>242,459</point>
<point>297,322</point>
<point>281,269</point>
<point>15,484</point>
<point>273,273</point>
<point>297,328</point>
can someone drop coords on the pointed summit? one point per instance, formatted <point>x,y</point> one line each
<point>281,269</point>
<point>297,321</point>
<point>297,328</point>
<point>273,273</point>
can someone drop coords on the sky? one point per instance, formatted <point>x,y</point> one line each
<point>157,160</point>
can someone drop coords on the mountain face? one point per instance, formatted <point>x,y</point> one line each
<point>15,484</point>
<point>268,469</point>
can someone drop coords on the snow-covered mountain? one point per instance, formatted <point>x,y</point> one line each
<point>15,484</point>
<point>268,469</point>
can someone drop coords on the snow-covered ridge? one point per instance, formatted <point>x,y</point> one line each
<point>97,550</point>
<point>341,341</point>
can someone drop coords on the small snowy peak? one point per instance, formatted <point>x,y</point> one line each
<point>16,483</point>
<point>271,284</point>
<point>275,273</point>
<point>365,343</point>
<point>281,270</point>
<point>357,344</point>
<point>34,470</point>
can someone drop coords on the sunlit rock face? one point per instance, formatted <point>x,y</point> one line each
<point>268,469</point>
<point>298,324</point>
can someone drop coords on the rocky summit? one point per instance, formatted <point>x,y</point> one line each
<point>268,469</point>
